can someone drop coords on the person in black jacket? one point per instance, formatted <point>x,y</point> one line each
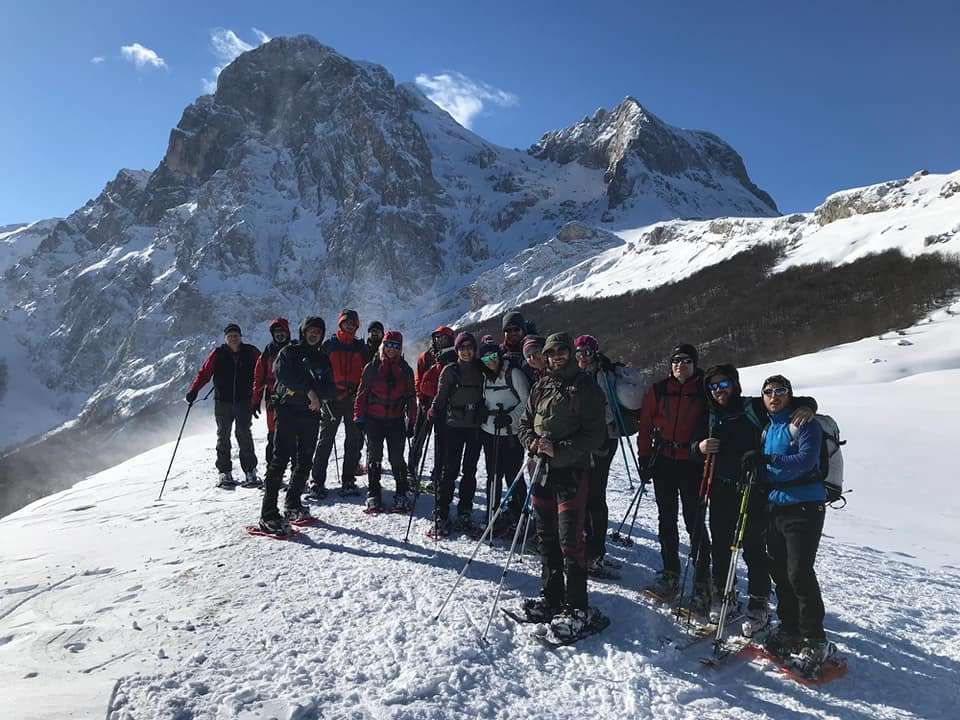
<point>304,380</point>
<point>231,367</point>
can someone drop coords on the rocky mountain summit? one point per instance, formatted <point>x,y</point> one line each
<point>309,182</point>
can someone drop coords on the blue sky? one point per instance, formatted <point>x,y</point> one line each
<point>817,98</point>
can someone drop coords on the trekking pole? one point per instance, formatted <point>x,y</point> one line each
<point>737,544</point>
<point>503,504</point>
<point>621,426</point>
<point>704,495</point>
<point>416,493</point>
<point>634,505</point>
<point>336,455</point>
<point>528,501</point>
<point>177,445</point>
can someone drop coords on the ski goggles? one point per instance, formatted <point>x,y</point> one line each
<point>391,344</point>
<point>489,357</point>
<point>722,385</point>
<point>584,352</point>
<point>775,391</point>
<point>681,360</point>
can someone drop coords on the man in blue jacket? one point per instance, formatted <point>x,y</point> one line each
<point>797,499</point>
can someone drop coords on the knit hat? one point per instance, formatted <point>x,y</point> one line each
<point>589,342</point>
<point>375,325</point>
<point>279,323</point>
<point>558,341</point>
<point>532,343</point>
<point>487,340</point>
<point>393,336</point>
<point>685,349</point>
<point>465,338</point>
<point>777,380</point>
<point>486,348</point>
<point>346,314</point>
<point>232,328</point>
<point>513,318</point>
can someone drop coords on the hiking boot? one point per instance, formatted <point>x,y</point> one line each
<point>297,514</point>
<point>441,527</point>
<point>570,623</point>
<point>538,610</point>
<point>374,504</point>
<point>274,525</point>
<point>465,520</point>
<point>316,493</point>
<point>701,600</point>
<point>361,469</point>
<point>782,643</point>
<point>813,653</point>
<point>250,480</point>
<point>666,586</point>
<point>225,480</point>
<point>349,488</point>
<point>756,617</point>
<point>402,502</point>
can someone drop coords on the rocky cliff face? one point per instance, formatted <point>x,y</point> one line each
<point>309,182</point>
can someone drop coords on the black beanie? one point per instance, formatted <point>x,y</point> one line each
<point>232,327</point>
<point>313,321</point>
<point>685,349</point>
<point>514,318</point>
<point>376,324</point>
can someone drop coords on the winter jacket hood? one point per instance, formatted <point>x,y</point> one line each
<point>506,394</point>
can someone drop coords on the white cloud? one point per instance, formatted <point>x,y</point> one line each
<point>462,97</point>
<point>142,56</point>
<point>98,59</point>
<point>227,46</point>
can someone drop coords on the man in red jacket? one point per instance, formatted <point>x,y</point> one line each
<point>231,367</point>
<point>348,356</point>
<point>677,408</point>
<point>386,410</point>
<point>264,379</point>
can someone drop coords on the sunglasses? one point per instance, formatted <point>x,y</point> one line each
<point>490,356</point>
<point>392,345</point>
<point>549,353</point>
<point>584,352</point>
<point>682,360</point>
<point>722,385</point>
<point>775,391</point>
<point>512,329</point>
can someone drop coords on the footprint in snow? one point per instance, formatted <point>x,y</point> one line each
<point>97,571</point>
<point>75,647</point>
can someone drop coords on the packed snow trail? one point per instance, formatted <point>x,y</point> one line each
<point>109,599</point>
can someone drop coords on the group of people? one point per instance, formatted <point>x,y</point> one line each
<point>550,398</point>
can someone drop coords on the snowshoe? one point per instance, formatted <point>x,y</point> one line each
<point>440,529</point>
<point>274,526</point>
<point>317,493</point>
<point>782,643</point>
<point>250,480</point>
<point>538,610</point>
<point>665,587</point>
<point>813,654</point>
<point>374,505</point>
<point>465,521</point>
<point>225,481</point>
<point>298,516</point>
<point>573,624</point>
<point>402,502</point>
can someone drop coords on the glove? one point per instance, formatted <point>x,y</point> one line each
<point>360,422</point>
<point>411,430</point>
<point>501,421</point>
<point>753,461</point>
<point>256,411</point>
<point>192,396</point>
<point>431,415</point>
<point>646,472</point>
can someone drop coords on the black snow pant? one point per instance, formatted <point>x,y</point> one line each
<point>462,445</point>
<point>352,445</point>
<point>394,433</point>
<point>673,479</point>
<point>793,536</point>
<point>560,507</point>
<point>597,512</point>
<point>238,417</point>
<point>503,457</point>
<point>724,511</point>
<point>297,431</point>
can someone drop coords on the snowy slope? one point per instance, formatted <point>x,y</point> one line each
<point>168,610</point>
<point>915,215</point>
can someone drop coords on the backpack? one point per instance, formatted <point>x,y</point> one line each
<point>626,390</point>
<point>830,472</point>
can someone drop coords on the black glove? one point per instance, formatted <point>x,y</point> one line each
<point>501,421</point>
<point>411,430</point>
<point>753,462</point>
<point>192,396</point>
<point>646,472</point>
